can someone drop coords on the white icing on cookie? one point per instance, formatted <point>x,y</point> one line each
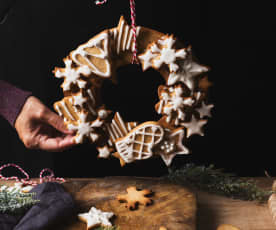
<point>171,146</point>
<point>89,91</point>
<point>117,128</point>
<point>173,101</point>
<point>194,126</point>
<point>168,55</point>
<point>131,125</point>
<point>147,58</point>
<point>205,110</point>
<point>112,135</point>
<point>96,217</point>
<point>123,37</point>
<point>103,152</point>
<point>156,57</point>
<point>121,123</point>
<point>85,129</point>
<point>64,106</point>
<point>79,100</point>
<point>189,69</point>
<point>92,105</point>
<point>58,110</point>
<point>104,54</point>
<point>102,114</point>
<point>138,144</point>
<point>72,75</point>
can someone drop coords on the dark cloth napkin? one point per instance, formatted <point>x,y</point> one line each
<point>54,205</point>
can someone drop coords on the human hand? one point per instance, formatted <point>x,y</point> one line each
<point>40,128</point>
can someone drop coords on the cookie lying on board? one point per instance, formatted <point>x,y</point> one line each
<point>135,197</point>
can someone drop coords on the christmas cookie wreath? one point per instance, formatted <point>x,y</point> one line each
<point>183,98</point>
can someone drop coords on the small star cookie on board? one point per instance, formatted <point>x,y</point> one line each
<point>96,217</point>
<point>135,197</point>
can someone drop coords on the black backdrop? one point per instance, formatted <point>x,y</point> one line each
<point>235,39</point>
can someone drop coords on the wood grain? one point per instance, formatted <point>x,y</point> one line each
<point>215,210</point>
<point>212,210</point>
<point>174,206</point>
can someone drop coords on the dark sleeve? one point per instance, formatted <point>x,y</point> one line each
<point>12,100</point>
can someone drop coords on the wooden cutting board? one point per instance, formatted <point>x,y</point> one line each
<point>174,206</point>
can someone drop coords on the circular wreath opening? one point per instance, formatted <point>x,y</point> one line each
<point>135,93</point>
<point>182,98</point>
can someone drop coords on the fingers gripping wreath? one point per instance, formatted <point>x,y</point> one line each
<point>183,98</point>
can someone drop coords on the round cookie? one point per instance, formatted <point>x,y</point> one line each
<point>182,99</point>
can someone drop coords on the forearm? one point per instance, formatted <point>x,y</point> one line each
<point>12,100</point>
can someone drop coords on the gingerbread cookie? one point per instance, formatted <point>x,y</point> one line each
<point>139,142</point>
<point>171,145</point>
<point>183,99</point>
<point>135,197</point>
<point>95,217</point>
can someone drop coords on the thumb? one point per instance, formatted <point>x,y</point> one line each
<point>57,122</point>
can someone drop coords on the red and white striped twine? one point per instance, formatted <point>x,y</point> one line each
<point>133,25</point>
<point>98,2</point>
<point>26,180</point>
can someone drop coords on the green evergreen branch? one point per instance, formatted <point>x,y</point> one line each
<point>15,202</point>
<point>215,181</point>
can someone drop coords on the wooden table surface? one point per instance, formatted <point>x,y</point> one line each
<point>213,210</point>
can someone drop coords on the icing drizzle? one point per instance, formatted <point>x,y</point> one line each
<point>138,144</point>
<point>104,54</point>
<point>123,36</point>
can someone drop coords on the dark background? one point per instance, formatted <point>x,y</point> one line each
<point>235,39</point>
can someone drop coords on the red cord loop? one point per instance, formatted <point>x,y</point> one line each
<point>26,180</point>
<point>98,2</point>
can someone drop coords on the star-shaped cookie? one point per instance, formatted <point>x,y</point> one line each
<point>171,146</point>
<point>205,110</point>
<point>135,197</point>
<point>72,76</point>
<point>85,129</point>
<point>189,69</point>
<point>96,217</point>
<point>194,126</point>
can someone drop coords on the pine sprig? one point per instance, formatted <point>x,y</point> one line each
<point>15,202</point>
<point>216,181</point>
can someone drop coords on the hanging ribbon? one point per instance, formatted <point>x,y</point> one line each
<point>133,26</point>
<point>26,180</point>
<point>98,2</point>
